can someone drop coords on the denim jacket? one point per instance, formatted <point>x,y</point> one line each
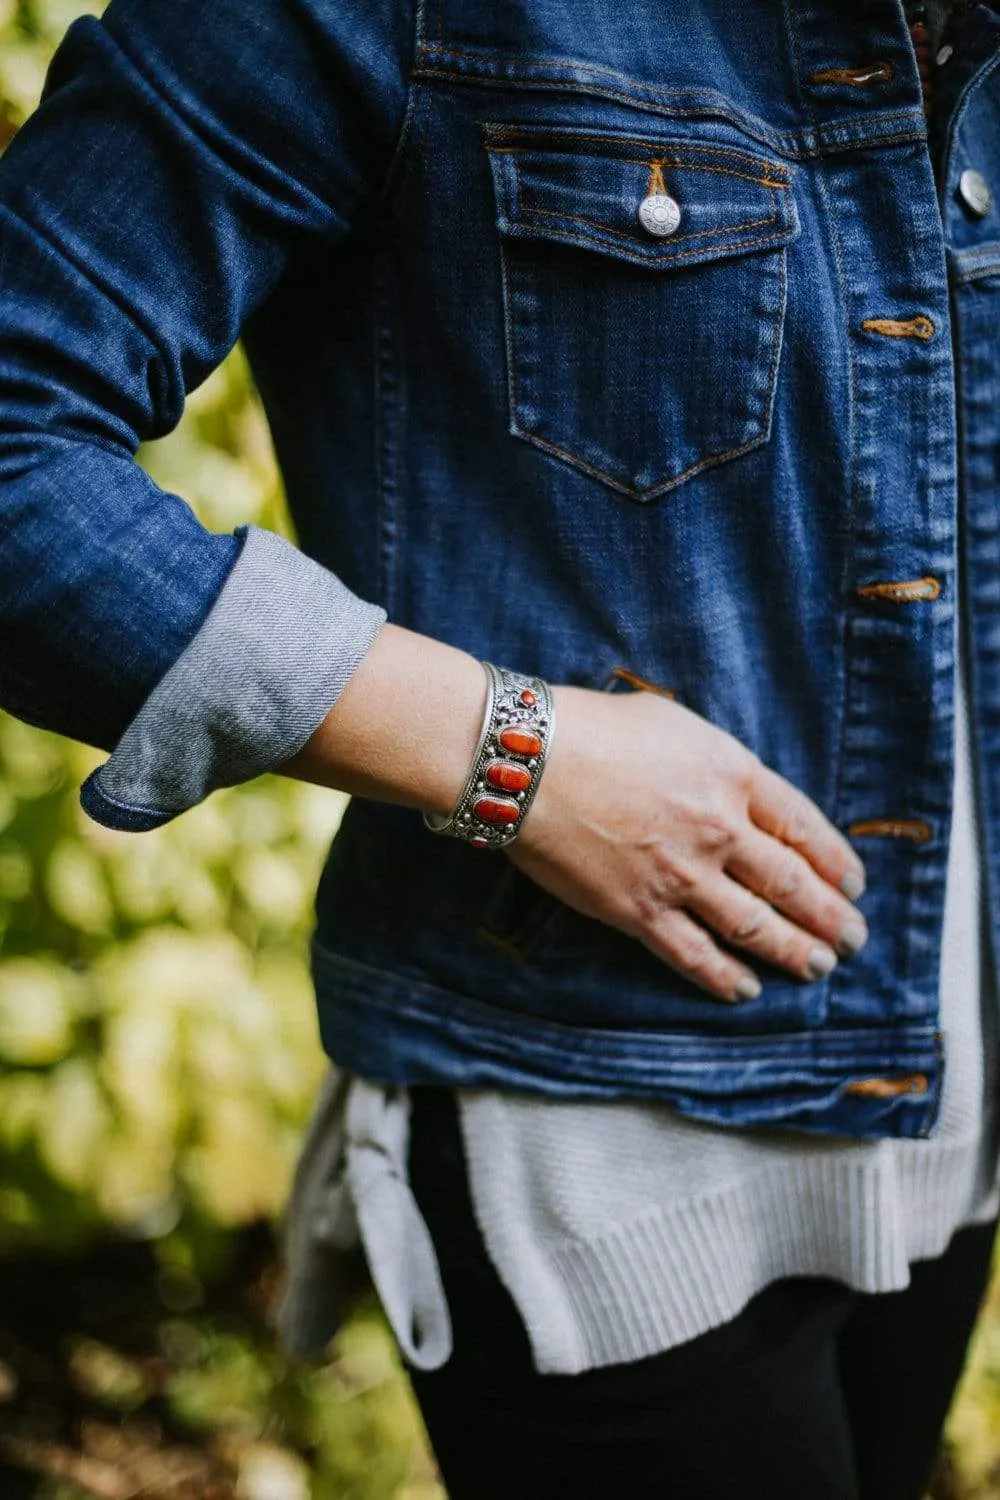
<point>727,462</point>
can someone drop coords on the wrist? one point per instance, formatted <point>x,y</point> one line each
<point>404,728</point>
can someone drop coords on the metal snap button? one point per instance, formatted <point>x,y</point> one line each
<point>975,192</point>
<point>659,214</point>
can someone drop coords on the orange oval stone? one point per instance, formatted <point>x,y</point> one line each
<point>491,810</point>
<point>521,741</point>
<point>508,776</point>
<point>528,697</point>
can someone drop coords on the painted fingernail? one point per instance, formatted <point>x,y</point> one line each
<point>748,987</point>
<point>821,961</point>
<point>852,885</point>
<point>853,937</point>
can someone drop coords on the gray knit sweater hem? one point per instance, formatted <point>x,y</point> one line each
<point>670,1275</point>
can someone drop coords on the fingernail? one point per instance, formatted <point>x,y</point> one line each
<point>853,937</point>
<point>748,987</point>
<point>821,961</point>
<point>852,885</point>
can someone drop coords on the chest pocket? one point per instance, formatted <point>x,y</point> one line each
<point>640,356</point>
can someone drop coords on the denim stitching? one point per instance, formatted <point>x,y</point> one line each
<point>655,252</point>
<point>703,463</point>
<point>773,139</point>
<point>536,138</point>
<point>134,807</point>
<point>631,161</point>
<point>753,242</point>
<point>851,547</point>
<point>409,108</point>
<point>816,143</point>
<point>383,434</point>
<point>591,468</point>
<point>829,1049</point>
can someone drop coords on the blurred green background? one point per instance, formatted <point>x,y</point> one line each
<point>158,1059</point>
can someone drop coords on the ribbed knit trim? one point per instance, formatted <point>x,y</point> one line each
<point>664,1278</point>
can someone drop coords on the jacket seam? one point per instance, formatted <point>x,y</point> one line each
<point>662,158</point>
<point>248,163</point>
<point>111,296</point>
<point>536,138</point>
<point>529,210</point>
<point>813,143</point>
<point>626,251</point>
<point>828,1046</point>
<point>145,809</point>
<point>405,130</point>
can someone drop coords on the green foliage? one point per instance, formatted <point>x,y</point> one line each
<point>157,1026</point>
<point>158,1042</point>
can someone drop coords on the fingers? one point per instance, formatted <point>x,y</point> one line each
<point>746,920</point>
<point>786,880</point>
<point>782,810</point>
<point>687,948</point>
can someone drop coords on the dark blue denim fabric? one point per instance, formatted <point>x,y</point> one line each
<point>728,461</point>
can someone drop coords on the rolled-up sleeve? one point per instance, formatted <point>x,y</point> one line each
<point>179,154</point>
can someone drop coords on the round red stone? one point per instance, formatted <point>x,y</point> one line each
<point>492,810</point>
<point>508,776</point>
<point>528,697</point>
<point>479,843</point>
<point>521,741</point>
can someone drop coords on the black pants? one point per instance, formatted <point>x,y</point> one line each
<point>814,1392</point>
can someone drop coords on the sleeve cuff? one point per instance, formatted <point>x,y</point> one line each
<point>270,659</point>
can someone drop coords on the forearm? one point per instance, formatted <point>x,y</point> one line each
<point>405,727</point>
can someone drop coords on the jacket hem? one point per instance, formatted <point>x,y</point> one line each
<point>399,1029</point>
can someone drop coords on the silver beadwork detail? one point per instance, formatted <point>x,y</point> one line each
<point>504,709</point>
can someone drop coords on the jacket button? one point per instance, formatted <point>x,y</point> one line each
<point>975,192</point>
<point>659,214</point>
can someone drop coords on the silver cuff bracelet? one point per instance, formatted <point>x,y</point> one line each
<point>513,745</point>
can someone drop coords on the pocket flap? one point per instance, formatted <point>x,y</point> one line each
<point>583,188</point>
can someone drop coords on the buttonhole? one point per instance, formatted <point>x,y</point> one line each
<point>888,1088</point>
<point>895,828</point>
<point>622,674</point>
<point>919,327</point>
<point>901,589</point>
<point>876,72</point>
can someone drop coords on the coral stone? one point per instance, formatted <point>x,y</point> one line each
<point>492,810</point>
<point>479,843</point>
<point>520,741</point>
<point>508,776</point>
<point>528,697</point>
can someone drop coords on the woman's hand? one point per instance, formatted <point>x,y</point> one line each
<point>652,819</point>
<point>647,816</point>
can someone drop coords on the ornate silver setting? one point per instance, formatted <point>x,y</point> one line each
<point>513,744</point>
